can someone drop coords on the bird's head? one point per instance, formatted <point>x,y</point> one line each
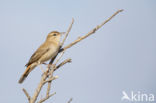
<point>54,36</point>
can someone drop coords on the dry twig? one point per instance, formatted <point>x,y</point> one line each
<point>26,93</point>
<point>47,97</point>
<point>69,29</point>
<point>70,100</point>
<point>91,32</point>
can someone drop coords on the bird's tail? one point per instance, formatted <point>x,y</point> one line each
<point>25,74</point>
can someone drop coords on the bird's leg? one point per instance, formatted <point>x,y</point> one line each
<point>40,65</point>
<point>42,68</point>
<point>50,66</point>
<point>47,67</point>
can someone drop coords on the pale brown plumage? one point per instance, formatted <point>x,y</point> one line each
<point>46,51</point>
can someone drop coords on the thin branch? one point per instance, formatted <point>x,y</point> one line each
<point>49,82</point>
<point>38,89</point>
<point>91,32</point>
<point>70,100</point>
<point>50,79</point>
<point>49,85</point>
<point>51,74</point>
<point>47,97</point>
<point>26,93</point>
<point>61,64</point>
<point>59,58</point>
<point>48,88</point>
<point>67,32</point>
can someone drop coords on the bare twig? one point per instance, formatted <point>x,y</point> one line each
<point>67,32</point>
<point>61,64</point>
<point>51,73</point>
<point>47,97</point>
<point>50,79</point>
<point>70,100</point>
<point>26,93</point>
<point>49,82</point>
<point>43,80</point>
<point>60,56</point>
<point>38,89</point>
<point>91,32</point>
<point>48,88</point>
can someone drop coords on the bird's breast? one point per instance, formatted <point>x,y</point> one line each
<point>51,53</point>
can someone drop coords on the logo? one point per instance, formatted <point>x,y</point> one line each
<point>137,96</point>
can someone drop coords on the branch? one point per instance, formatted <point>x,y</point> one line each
<point>26,93</point>
<point>67,32</point>
<point>61,64</point>
<point>38,89</point>
<point>47,97</point>
<point>91,32</point>
<point>49,80</point>
<point>60,56</point>
<point>70,100</point>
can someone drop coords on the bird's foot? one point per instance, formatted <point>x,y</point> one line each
<point>43,71</point>
<point>49,67</point>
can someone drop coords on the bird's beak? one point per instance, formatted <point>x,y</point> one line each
<point>62,33</point>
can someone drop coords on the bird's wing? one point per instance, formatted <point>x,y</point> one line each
<point>39,52</point>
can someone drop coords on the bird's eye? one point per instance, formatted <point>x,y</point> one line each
<point>54,34</point>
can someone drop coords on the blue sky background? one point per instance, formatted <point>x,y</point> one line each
<point>120,56</point>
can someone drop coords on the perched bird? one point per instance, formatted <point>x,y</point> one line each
<point>46,51</point>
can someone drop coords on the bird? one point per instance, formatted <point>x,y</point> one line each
<point>46,51</point>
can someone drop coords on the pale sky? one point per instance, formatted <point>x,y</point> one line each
<point>119,57</point>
